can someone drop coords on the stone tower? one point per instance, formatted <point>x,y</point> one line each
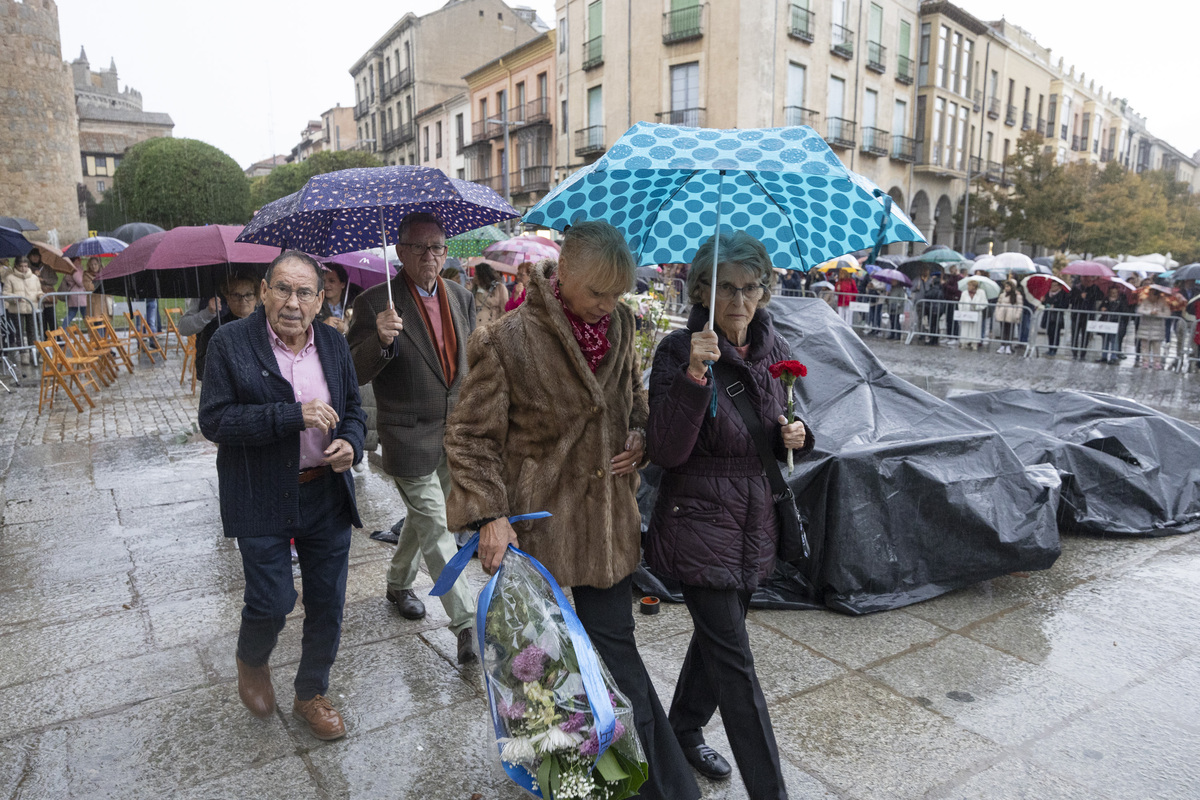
<point>40,167</point>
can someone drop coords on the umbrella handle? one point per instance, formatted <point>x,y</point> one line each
<point>887,212</point>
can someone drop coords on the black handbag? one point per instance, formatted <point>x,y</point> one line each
<point>793,541</point>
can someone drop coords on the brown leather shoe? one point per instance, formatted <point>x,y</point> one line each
<point>324,722</point>
<point>466,646</point>
<point>406,600</point>
<point>255,689</point>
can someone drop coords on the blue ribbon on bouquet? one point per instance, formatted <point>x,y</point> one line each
<point>603,714</point>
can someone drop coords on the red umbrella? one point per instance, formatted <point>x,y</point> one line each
<point>183,262</point>
<point>1124,285</point>
<point>1039,285</point>
<point>1091,268</point>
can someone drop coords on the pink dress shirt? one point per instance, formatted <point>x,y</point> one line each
<point>303,371</point>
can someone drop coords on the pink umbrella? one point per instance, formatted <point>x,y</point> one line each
<point>522,248</point>
<point>1092,268</point>
<point>1039,285</point>
<point>188,261</point>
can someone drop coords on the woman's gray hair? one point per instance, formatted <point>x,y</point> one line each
<point>737,247</point>
<point>612,268</point>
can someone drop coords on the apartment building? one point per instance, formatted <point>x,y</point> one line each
<point>419,62</point>
<point>335,130</point>
<point>844,67</point>
<point>443,132</point>
<point>515,93</point>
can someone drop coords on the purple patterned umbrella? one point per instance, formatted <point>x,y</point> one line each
<point>520,249</point>
<point>364,268</point>
<point>892,276</point>
<point>95,246</point>
<point>354,209</point>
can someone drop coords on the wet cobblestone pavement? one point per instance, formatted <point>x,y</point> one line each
<point>119,603</point>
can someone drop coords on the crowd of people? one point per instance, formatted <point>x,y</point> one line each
<point>495,401</point>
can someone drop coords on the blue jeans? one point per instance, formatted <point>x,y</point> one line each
<point>323,544</point>
<point>1109,351</point>
<point>152,316</point>
<point>73,312</point>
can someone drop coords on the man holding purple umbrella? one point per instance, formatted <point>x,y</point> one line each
<point>414,354</point>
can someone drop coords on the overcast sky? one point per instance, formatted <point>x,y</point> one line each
<point>247,75</point>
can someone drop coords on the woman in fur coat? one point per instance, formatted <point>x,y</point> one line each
<point>551,417</point>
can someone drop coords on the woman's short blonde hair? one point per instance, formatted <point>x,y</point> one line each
<point>737,247</point>
<point>602,248</point>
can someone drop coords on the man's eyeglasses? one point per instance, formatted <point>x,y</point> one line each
<point>284,293</point>
<point>418,249</point>
<point>727,291</point>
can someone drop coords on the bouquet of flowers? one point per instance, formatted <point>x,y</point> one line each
<point>650,312</point>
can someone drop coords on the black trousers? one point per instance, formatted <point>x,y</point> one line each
<point>323,545</point>
<point>607,616</point>
<point>718,672</point>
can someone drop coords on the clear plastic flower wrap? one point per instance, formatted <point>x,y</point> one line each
<point>563,729</point>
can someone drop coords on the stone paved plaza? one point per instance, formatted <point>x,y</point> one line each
<point>119,603</point>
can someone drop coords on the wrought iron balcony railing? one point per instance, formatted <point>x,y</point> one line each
<point>874,141</point>
<point>593,52</point>
<point>801,24</point>
<point>1010,115</point>
<point>797,115</point>
<point>839,132</point>
<point>904,70</point>
<point>683,24</point>
<point>904,148</point>
<point>994,108</point>
<point>842,43</point>
<point>688,117</point>
<point>876,57</point>
<point>589,140</point>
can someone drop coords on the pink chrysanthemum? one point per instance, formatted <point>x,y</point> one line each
<point>515,711</point>
<point>575,722</point>
<point>530,664</point>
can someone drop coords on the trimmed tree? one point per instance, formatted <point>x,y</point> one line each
<point>170,182</point>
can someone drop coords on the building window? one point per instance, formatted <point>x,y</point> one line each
<point>793,112</point>
<point>100,186</point>
<point>923,56</point>
<point>562,126</point>
<point>939,123</point>
<point>83,161</point>
<point>685,94</point>
<point>595,104</point>
<point>900,118</point>
<point>502,103</point>
<point>425,151</point>
<point>543,85</point>
<point>960,144</point>
<point>437,147</point>
<point>965,73</point>
<point>562,34</point>
<point>462,175</point>
<point>944,57</point>
<point>458,132</point>
<point>101,165</point>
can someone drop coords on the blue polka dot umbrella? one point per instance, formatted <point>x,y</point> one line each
<point>357,209</point>
<point>669,188</point>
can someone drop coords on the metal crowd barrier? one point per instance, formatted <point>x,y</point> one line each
<point>70,317</point>
<point>15,339</point>
<point>1112,335</point>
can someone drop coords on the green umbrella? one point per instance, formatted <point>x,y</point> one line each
<point>473,243</point>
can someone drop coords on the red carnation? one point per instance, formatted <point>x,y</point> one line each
<point>794,369</point>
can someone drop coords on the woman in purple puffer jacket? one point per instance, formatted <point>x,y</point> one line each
<point>714,526</point>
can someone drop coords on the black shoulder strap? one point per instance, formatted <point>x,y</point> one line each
<point>732,385</point>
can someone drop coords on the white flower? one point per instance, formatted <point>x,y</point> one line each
<point>517,749</point>
<point>555,738</point>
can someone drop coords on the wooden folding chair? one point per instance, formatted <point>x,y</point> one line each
<point>57,371</point>
<point>189,358</point>
<point>105,335</point>
<point>147,342</point>
<point>171,315</point>
<point>77,343</point>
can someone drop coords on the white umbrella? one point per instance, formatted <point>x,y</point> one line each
<point>1014,262</point>
<point>990,288</point>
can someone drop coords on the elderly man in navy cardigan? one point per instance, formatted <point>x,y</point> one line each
<point>281,401</point>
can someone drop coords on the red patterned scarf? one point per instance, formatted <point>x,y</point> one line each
<point>592,339</point>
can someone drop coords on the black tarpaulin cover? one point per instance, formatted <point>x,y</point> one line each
<point>1126,468</point>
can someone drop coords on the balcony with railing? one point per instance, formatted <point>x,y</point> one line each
<point>1105,154</point>
<point>874,141</point>
<point>976,165</point>
<point>533,112</point>
<point>688,117</point>
<point>839,132</point>
<point>530,179</point>
<point>801,24</point>
<point>493,182</point>
<point>904,70</point>
<point>1010,115</point>
<point>683,24</point>
<point>876,57</point>
<point>994,171</point>
<point>360,110</point>
<point>798,115</point>
<point>1096,146</point>
<point>994,108</point>
<point>842,43</point>
<point>401,134</point>
<point>482,130</point>
<point>1041,126</point>
<point>589,141</point>
<point>397,82</point>
<point>1027,121</point>
<point>593,52</point>
<point>977,101</point>
<point>904,148</point>
<point>1076,144</point>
